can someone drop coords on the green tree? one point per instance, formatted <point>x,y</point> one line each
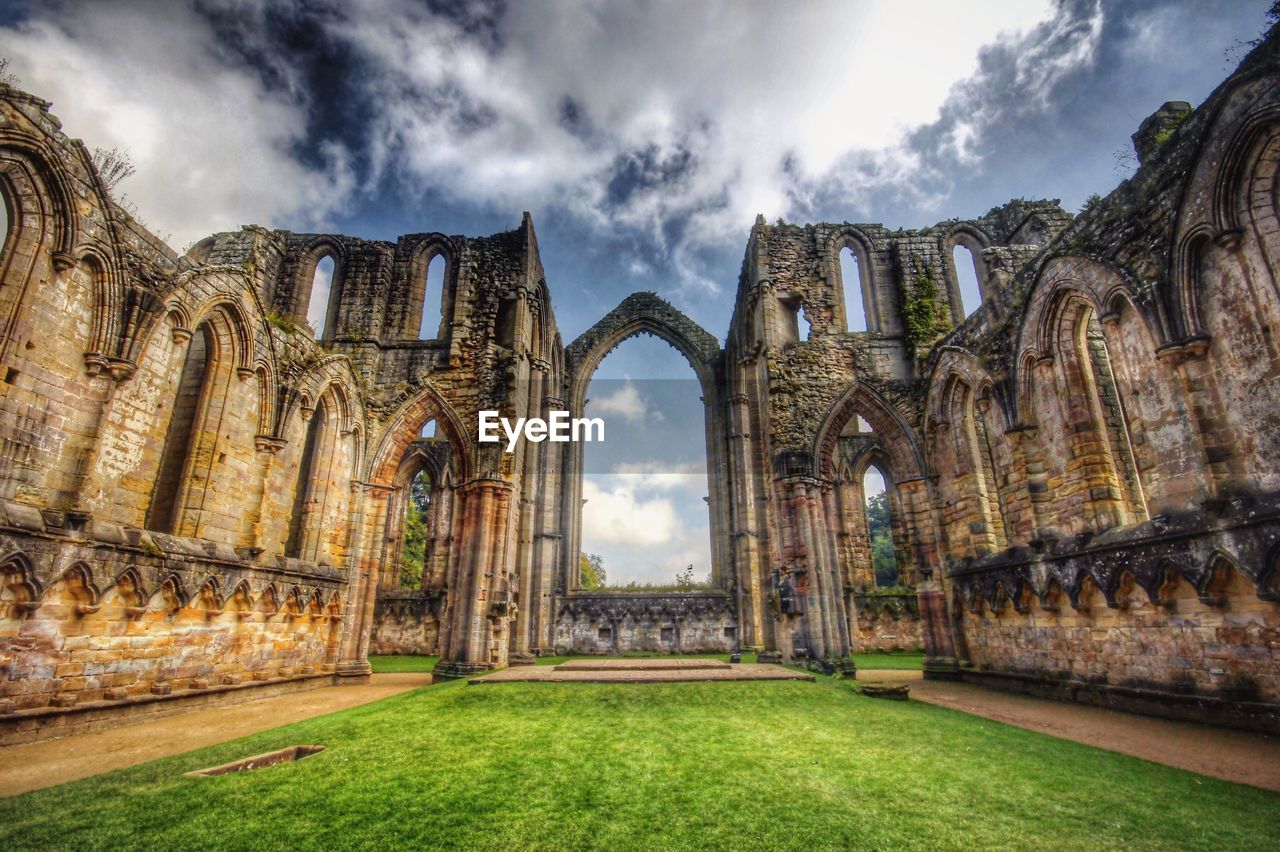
<point>414,553</point>
<point>591,571</point>
<point>883,559</point>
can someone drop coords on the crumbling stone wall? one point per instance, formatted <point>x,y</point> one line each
<point>674,623</point>
<point>406,621</point>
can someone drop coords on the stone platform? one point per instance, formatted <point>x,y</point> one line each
<point>641,671</point>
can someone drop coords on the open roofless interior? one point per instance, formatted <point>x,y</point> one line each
<point>1027,452</point>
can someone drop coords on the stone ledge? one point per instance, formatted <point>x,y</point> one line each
<point>24,726</point>
<point>1255,716</point>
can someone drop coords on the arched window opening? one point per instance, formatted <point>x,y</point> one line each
<point>318,307</point>
<point>646,512</point>
<point>855,291</point>
<point>968,277</point>
<point>884,561</point>
<point>417,531</point>
<point>428,429</point>
<point>433,298</point>
<point>163,514</point>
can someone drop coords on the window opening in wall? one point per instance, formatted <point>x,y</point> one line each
<point>966,266</point>
<point>164,512</point>
<point>321,290</point>
<point>428,429</point>
<point>851,281</point>
<point>505,325</point>
<point>791,321</point>
<point>432,298</point>
<point>417,531</point>
<point>884,562</point>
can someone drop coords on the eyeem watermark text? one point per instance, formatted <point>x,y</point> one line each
<point>559,428</point>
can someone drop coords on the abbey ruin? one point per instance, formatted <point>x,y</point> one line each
<point>200,499</point>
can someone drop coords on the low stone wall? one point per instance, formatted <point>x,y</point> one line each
<point>618,622</point>
<point>26,726</point>
<point>1172,628</point>
<point>406,621</point>
<point>888,622</point>
<point>110,614</point>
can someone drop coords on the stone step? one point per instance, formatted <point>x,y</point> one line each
<point>659,665</point>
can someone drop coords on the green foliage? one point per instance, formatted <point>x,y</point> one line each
<point>284,323</point>
<point>883,558</point>
<point>1163,135</point>
<point>413,556</point>
<point>1091,202</point>
<point>591,574</point>
<point>657,766</point>
<point>684,579</point>
<point>920,310</point>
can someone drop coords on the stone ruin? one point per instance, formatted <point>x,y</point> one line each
<point>201,499</point>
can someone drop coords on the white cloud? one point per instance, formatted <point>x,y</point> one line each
<point>621,515</point>
<point>705,113</point>
<point>625,402</point>
<point>213,148</point>
<point>670,122</point>
<point>647,524</point>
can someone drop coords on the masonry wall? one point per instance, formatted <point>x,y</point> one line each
<point>676,623</point>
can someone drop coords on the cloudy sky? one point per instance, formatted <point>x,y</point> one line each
<point>643,137</point>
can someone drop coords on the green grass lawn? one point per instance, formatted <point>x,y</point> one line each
<point>728,765</point>
<point>890,660</point>
<point>402,663</point>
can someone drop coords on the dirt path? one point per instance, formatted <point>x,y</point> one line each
<point>49,762</point>
<point>1232,755</point>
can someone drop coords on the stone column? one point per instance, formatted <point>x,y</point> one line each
<point>918,522</point>
<point>368,522</point>
<point>745,551</point>
<point>475,643</point>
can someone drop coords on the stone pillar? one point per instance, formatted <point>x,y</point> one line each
<point>523,641</point>
<point>745,538</point>
<point>1208,412</point>
<point>918,523</point>
<point>476,628</point>
<point>268,448</point>
<point>368,525</point>
<point>826,515</point>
